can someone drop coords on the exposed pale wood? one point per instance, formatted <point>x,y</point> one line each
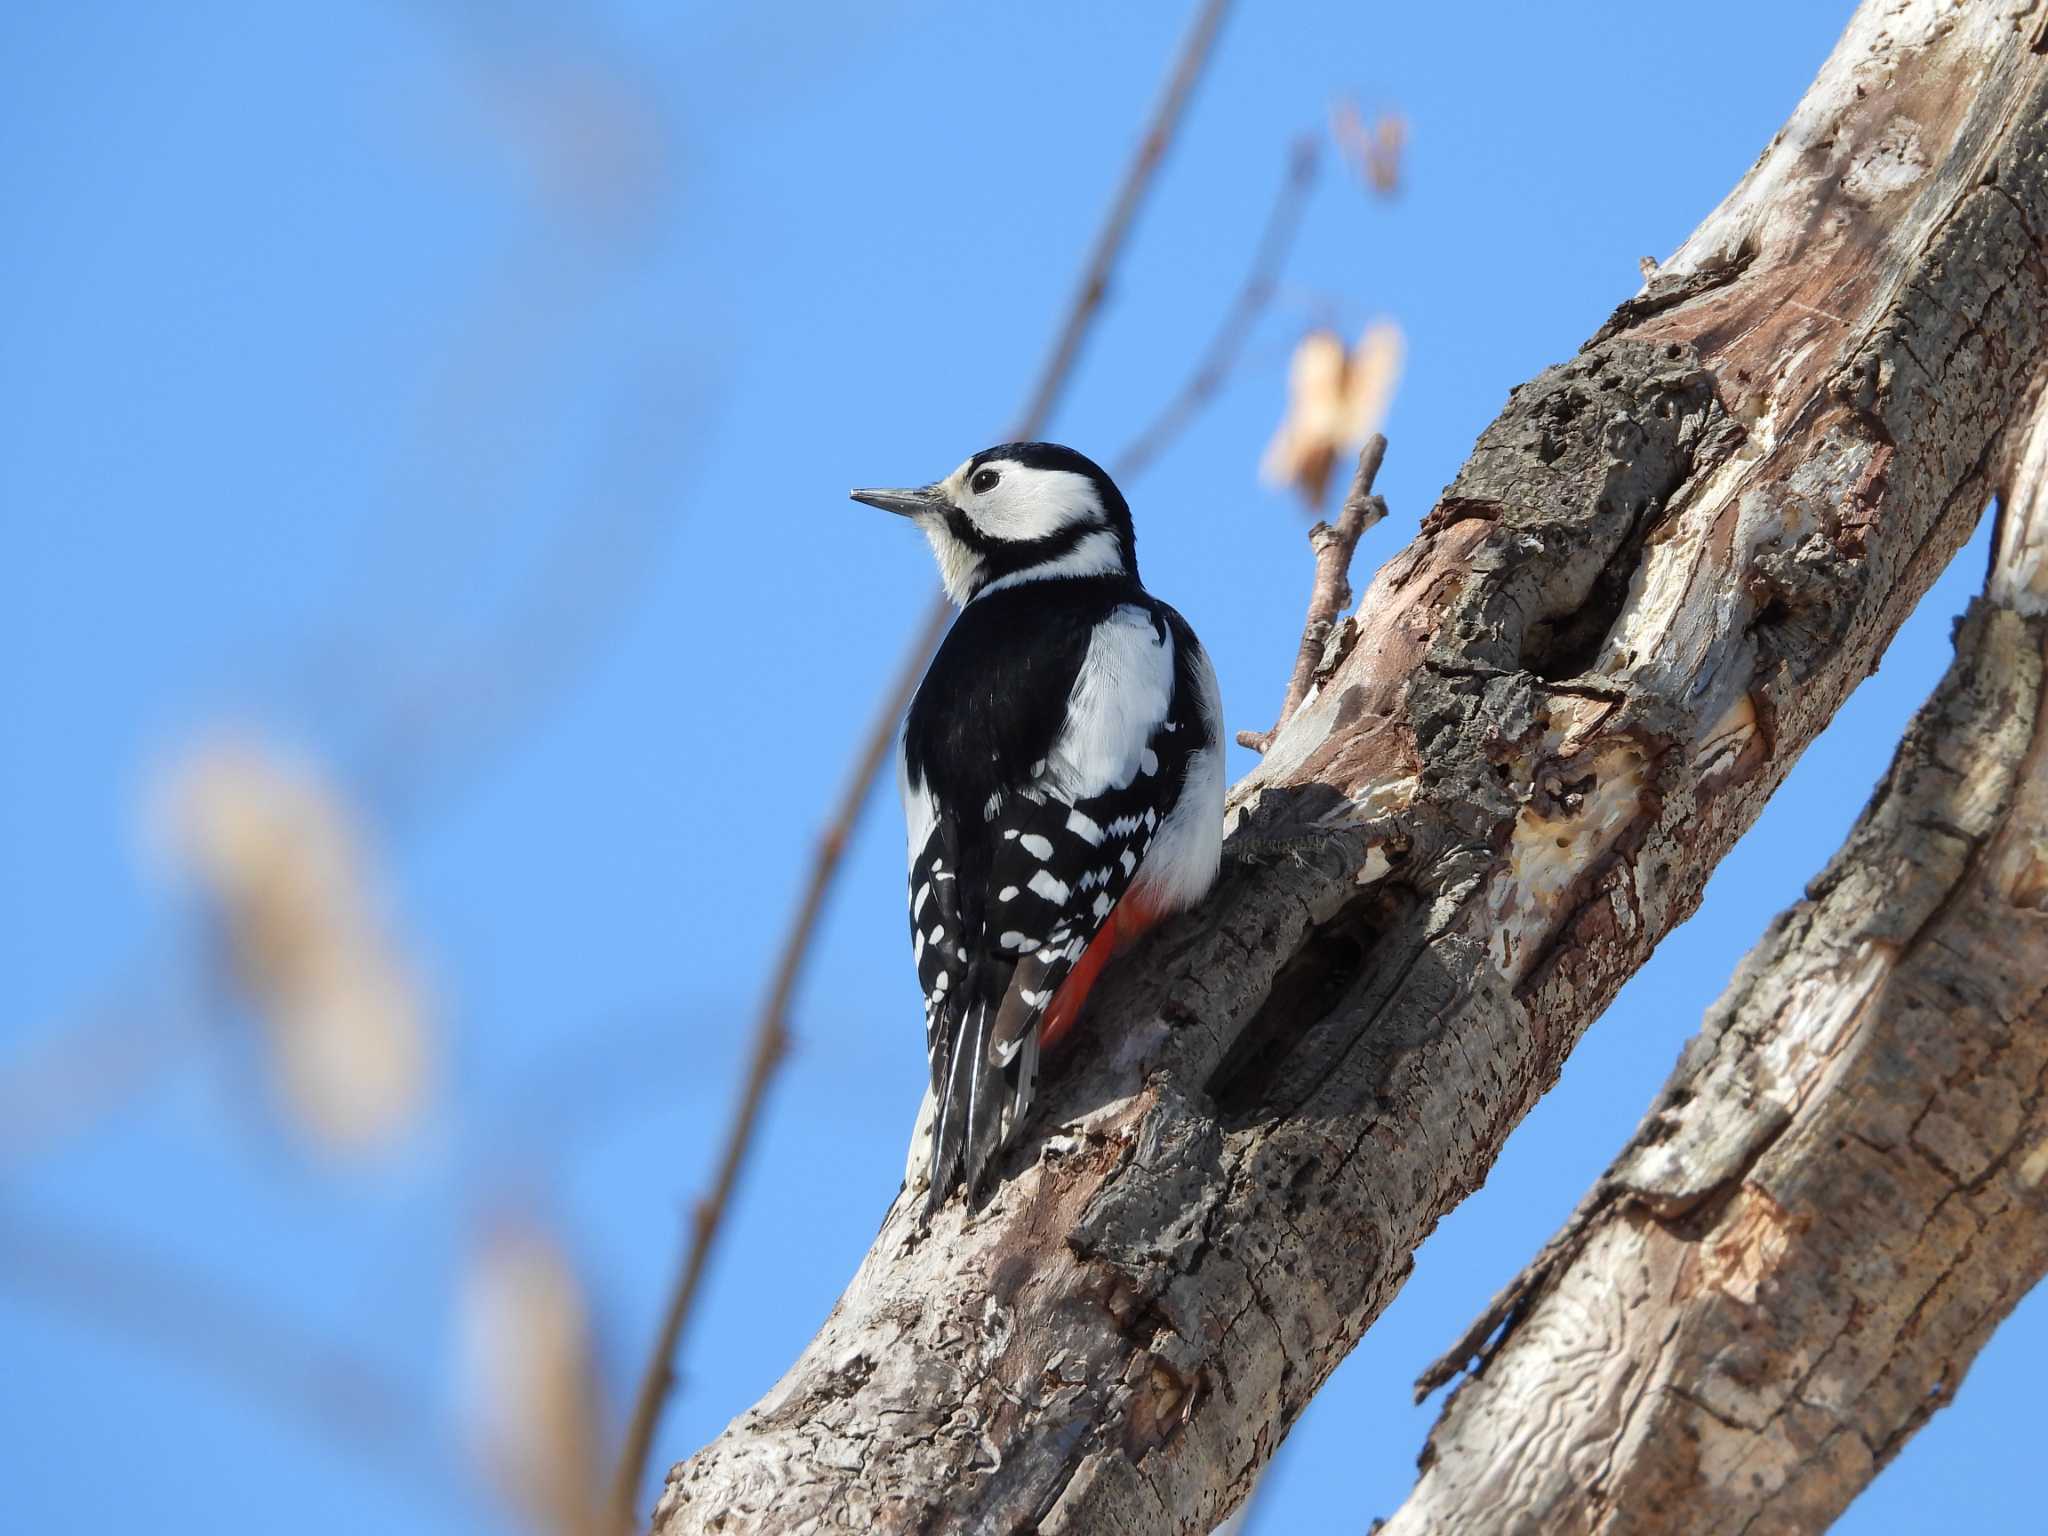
<point>1651,584</point>
<point>1838,1195</point>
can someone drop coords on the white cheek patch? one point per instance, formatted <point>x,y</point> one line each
<point>1029,504</point>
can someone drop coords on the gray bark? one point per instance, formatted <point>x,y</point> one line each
<point>1839,1194</point>
<point>1649,587</point>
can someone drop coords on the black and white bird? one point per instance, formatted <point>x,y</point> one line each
<point>1061,769</point>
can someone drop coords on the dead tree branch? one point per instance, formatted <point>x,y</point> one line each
<point>771,1028</point>
<point>1650,586</point>
<point>1839,1193</point>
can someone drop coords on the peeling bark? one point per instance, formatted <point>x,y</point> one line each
<point>1839,1193</point>
<point>1649,587</point>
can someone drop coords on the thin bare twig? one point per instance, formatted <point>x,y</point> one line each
<point>771,1028</point>
<point>1195,52</point>
<point>1331,594</point>
<point>1220,357</point>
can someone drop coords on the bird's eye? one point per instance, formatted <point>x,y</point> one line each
<point>983,482</point>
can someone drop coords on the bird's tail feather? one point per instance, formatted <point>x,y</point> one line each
<point>987,1093</point>
<point>982,1092</point>
<point>954,1087</point>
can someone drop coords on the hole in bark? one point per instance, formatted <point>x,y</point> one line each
<point>1309,988</point>
<point>1567,645</point>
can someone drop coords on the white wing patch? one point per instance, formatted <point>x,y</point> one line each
<point>1050,886</point>
<point>1120,696</point>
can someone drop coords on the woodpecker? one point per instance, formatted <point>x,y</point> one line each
<point>1061,768</point>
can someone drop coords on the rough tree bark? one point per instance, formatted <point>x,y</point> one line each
<point>1660,571</point>
<point>1840,1192</point>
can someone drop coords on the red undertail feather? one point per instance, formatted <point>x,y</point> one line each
<point>1126,921</point>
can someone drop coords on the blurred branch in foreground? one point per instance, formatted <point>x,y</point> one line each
<point>285,875</point>
<point>328,1389</point>
<point>771,1030</point>
<point>352,1010</point>
<point>288,886</point>
<point>535,1399</point>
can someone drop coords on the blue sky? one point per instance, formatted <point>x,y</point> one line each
<point>345,342</point>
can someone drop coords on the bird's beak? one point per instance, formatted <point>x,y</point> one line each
<point>905,503</point>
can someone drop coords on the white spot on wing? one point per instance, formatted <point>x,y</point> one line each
<point>1050,887</point>
<point>1083,826</point>
<point>1038,847</point>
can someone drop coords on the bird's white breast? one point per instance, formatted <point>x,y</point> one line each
<point>920,810</point>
